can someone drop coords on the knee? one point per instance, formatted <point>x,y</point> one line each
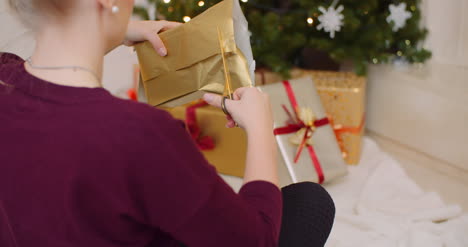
<point>308,215</point>
<point>310,195</point>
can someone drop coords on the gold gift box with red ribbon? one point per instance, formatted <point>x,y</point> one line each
<point>224,148</point>
<point>303,131</point>
<point>343,95</point>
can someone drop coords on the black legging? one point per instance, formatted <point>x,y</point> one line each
<point>308,215</point>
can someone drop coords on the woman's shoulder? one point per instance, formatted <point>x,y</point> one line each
<point>8,61</point>
<point>9,58</point>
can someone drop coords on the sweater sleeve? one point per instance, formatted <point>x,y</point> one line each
<point>175,190</point>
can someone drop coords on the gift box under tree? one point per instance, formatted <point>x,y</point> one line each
<point>224,148</point>
<point>303,132</point>
<point>343,95</point>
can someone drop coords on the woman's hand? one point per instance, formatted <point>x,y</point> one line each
<point>250,109</point>
<point>139,31</point>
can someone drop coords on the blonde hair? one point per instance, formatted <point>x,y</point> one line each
<point>30,12</point>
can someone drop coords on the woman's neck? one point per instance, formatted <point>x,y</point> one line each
<point>65,46</point>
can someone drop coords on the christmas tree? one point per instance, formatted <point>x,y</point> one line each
<point>362,32</point>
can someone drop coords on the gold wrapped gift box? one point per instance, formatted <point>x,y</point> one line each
<point>343,96</point>
<point>194,64</point>
<point>230,145</point>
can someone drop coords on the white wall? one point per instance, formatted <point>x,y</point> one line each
<point>13,36</point>
<point>426,107</point>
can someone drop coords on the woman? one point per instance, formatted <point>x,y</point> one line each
<point>80,167</point>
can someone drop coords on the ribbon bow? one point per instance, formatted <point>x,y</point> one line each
<point>303,123</point>
<point>205,143</point>
<point>304,135</point>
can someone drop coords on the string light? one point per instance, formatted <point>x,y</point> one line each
<point>167,1</point>
<point>310,20</point>
<point>201,3</point>
<point>187,18</point>
<point>244,1</point>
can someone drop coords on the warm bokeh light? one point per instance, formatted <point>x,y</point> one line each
<point>310,20</point>
<point>187,18</point>
<point>201,3</point>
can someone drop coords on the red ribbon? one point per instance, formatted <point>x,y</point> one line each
<point>205,143</point>
<point>340,130</point>
<point>295,124</point>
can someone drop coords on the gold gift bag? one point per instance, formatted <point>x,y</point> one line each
<point>194,63</point>
<point>303,132</point>
<point>224,148</point>
<point>343,96</point>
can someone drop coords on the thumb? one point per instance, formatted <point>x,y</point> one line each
<point>157,44</point>
<point>215,100</point>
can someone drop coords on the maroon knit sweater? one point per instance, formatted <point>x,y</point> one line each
<point>79,167</point>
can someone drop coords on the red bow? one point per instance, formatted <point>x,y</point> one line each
<point>203,142</point>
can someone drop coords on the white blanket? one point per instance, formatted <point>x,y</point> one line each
<point>378,205</point>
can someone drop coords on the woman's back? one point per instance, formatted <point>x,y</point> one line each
<point>80,167</point>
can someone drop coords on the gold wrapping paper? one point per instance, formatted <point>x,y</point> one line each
<point>194,63</point>
<point>229,154</point>
<point>324,141</point>
<point>343,95</point>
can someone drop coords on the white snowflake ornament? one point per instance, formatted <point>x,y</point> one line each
<point>331,20</point>
<point>398,15</point>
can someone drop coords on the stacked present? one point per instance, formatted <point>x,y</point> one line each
<point>343,97</point>
<point>304,133</point>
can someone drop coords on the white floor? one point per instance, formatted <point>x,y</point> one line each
<point>431,174</point>
<point>396,197</point>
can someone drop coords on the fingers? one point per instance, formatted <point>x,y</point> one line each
<point>231,123</point>
<point>236,96</point>
<point>240,91</point>
<point>169,25</point>
<point>157,43</point>
<point>128,43</point>
<point>216,101</point>
<point>213,99</point>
